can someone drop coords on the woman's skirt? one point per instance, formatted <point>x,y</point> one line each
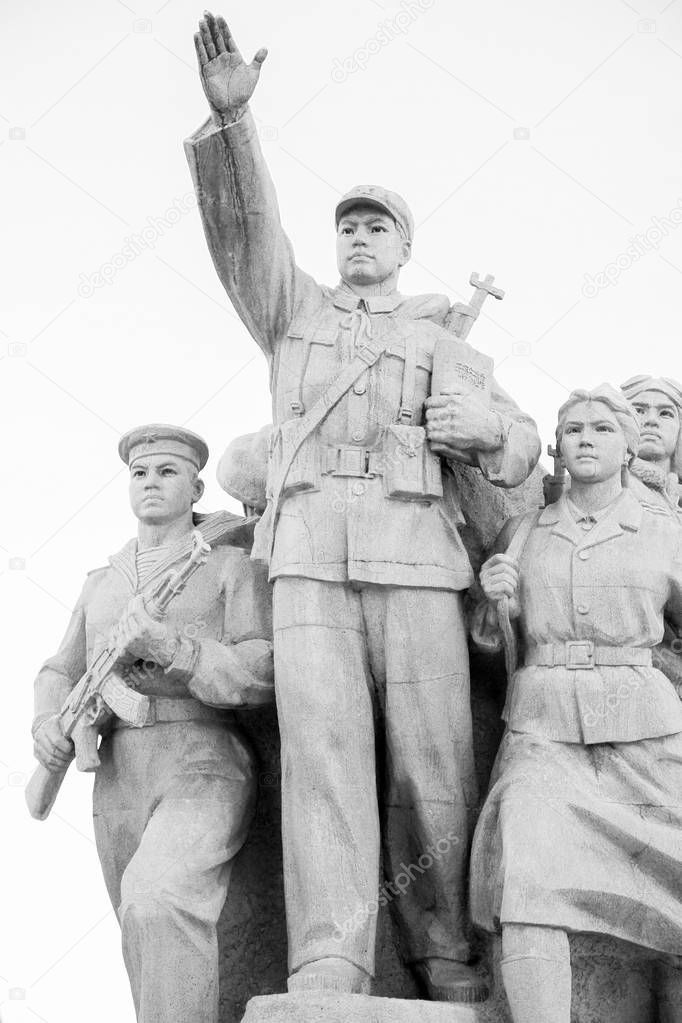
<point>586,838</point>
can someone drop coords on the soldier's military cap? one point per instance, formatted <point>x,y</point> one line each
<point>162,439</point>
<point>375,195</point>
<point>672,389</point>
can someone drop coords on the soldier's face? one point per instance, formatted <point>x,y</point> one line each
<point>593,445</point>
<point>369,246</point>
<point>659,422</point>
<point>162,488</point>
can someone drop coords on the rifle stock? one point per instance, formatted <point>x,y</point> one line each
<point>42,790</point>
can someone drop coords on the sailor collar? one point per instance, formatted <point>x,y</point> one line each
<point>214,528</point>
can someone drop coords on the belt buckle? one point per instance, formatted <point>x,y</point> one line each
<point>579,654</point>
<point>352,462</point>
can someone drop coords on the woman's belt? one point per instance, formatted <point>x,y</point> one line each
<point>582,654</point>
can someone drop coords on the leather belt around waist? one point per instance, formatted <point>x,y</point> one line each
<point>351,461</point>
<point>583,654</point>
<point>164,709</point>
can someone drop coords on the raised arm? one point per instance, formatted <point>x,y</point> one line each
<point>237,201</point>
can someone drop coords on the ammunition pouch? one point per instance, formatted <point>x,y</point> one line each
<point>412,472</point>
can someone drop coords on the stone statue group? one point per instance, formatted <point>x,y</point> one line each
<point>354,610</point>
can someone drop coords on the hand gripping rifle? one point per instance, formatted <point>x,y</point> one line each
<point>102,692</point>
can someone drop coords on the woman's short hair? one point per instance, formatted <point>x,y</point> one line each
<point>614,400</point>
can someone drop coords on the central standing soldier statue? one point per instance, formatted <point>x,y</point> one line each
<point>361,537</point>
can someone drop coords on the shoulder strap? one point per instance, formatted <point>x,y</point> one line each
<point>299,430</point>
<point>409,381</point>
<point>519,540</point>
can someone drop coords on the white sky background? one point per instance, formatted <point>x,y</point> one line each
<point>533,140</point>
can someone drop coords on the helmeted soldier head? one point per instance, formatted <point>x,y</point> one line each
<point>164,463</point>
<point>374,231</point>
<point>657,401</point>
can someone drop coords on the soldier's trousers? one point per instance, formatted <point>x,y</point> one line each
<point>372,688</point>
<point>172,806</point>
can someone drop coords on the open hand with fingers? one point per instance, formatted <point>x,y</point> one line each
<point>227,79</point>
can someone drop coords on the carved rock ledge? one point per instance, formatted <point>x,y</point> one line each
<point>299,1008</point>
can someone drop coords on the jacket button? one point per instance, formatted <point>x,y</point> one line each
<point>360,387</point>
<point>358,435</point>
<point>358,489</point>
<point>583,555</point>
<point>582,609</point>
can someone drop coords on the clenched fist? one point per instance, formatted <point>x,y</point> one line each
<point>457,422</point>
<point>51,748</point>
<point>139,636</point>
<point>500,578</point>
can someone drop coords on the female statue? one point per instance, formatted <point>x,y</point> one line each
<point>581,828</point>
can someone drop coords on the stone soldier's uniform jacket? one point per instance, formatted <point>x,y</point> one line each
<point>368,565</point>
<point>342,525</point>
<point>173,800</point>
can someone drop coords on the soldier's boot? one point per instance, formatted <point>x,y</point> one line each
<point>447,980</point>
<point>331,974</point>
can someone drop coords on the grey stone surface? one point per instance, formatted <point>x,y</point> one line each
<point>355,1009</point>
<point>359,463</point>
<point>611,983</point>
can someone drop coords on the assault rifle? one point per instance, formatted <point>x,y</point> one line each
<point>102,692</point>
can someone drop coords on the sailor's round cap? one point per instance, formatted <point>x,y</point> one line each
<point>375,195</point>
<point>162,439</point>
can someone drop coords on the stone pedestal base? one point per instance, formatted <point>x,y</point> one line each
<point>300,1008</point>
